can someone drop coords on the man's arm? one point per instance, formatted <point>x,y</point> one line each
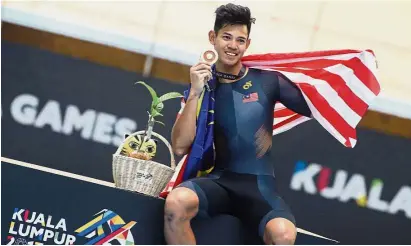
<point>291,96</point>
<point>184,129</point>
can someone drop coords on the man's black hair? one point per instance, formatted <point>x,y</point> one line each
<point>232,14</point>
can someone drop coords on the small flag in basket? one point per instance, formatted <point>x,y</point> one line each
<point>253,97</point>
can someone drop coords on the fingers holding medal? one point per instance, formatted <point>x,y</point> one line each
<point>201,72</point>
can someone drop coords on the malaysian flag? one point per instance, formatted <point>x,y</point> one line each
<point>253,97</point>
<point>338,86</point>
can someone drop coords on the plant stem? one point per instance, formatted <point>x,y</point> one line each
<point>148,131</point>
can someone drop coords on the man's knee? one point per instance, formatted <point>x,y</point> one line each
<point>286,237</point>
<point>182,204</point>
<point>280,231</point>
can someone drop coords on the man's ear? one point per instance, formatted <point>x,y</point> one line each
<point>211,37</point>
<point>248,42</point>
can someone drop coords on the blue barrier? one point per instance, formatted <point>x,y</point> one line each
<point>48,206</point>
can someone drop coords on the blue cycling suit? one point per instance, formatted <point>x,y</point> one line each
<point>243,182</point>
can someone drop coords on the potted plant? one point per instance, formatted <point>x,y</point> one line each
<point>136,171</point>
<point>157,105</point>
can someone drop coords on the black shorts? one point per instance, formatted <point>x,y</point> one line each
<point>251,198</point>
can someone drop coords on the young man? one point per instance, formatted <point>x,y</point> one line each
<point>242,182</point>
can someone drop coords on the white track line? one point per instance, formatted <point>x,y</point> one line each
<point>104,183</point>
<point>58,172</point>
<point>314,235</point>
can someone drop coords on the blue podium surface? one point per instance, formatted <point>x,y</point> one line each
<point>46,206</point>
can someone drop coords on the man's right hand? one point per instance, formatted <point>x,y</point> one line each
<point>199,74</point>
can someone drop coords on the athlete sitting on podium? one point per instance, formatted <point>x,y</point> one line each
<point>242,182</point>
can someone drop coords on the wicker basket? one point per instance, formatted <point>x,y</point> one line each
<point>143,176</point>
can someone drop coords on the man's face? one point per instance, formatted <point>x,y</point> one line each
<point>230,42</point>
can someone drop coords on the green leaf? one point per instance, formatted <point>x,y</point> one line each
<point>151,90</point>
<point>159,107</point>
<point>156,101</point>
<point>170,95</point>
<point>155,113</point>
<point>160,122</point>
<point>152,112</point>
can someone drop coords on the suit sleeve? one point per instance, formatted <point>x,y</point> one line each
<point>291,96</point>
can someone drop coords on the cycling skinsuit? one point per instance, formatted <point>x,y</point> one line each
<point>242,182</point>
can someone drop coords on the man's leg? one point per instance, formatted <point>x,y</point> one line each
<point>280,231</point>
<point>278,225</point>
<point>201,195</point>
<point>260,207</point>
<point>181,206</point>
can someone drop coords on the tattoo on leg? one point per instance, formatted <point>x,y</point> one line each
<point>169,218</point>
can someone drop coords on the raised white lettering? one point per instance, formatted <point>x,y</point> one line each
<point>24,109</point>
<point>122,127</point>
<point>17,215</point>
<point>401,201</point>
<point>73,120</point>
<point>374,201</point>
<point>50,115</point>
<point>104,128</point>
<point>339,184</point>
<point>303,179</point>
<point>61,224</point>
<point>355,188</point>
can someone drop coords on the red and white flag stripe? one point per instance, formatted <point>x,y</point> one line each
<point>285,119</point>
<point>337,85</point>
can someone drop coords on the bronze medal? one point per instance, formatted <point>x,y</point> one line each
<point>209,56</point>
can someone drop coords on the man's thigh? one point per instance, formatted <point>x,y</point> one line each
<point>213,199</point>
<point>255,200</point>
